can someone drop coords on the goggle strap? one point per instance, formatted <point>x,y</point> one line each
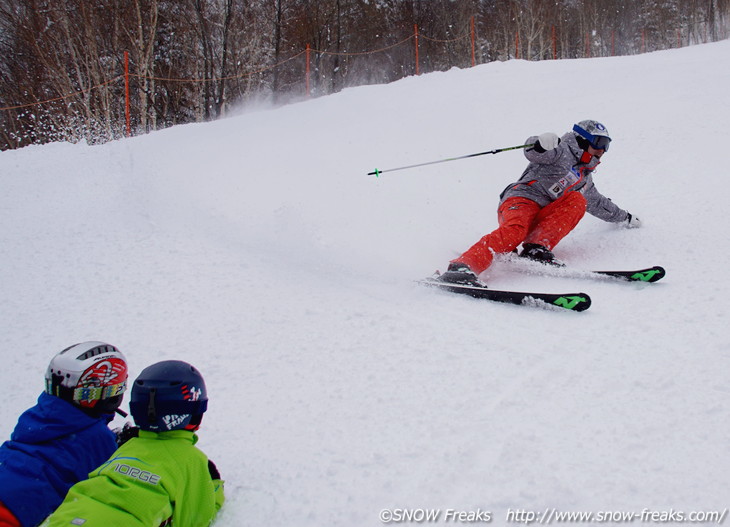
<point>96,393</point>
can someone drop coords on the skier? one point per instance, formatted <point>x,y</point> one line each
<point>60,440</point>
<point>160,477</point>
<point>546,203</point>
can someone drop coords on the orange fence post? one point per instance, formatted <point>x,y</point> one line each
<point>306,74</point>
<point>415,30</point>
<point>126,93</point>
<point>473,59</point>
<point>555,45</point>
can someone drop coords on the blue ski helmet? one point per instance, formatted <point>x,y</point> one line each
<point>594,133</point>
<point>169,395</point>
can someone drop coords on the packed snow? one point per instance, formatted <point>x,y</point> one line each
<point>258,248</point>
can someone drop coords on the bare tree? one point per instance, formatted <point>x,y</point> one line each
<point>61,61</point>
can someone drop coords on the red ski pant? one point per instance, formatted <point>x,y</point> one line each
<point>521,220</point>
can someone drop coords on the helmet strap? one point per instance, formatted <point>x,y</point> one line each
<point>54,387</point>
<point>194,423</point>
<point>151,412</point>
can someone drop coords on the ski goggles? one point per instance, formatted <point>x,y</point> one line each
<point>599,142</point>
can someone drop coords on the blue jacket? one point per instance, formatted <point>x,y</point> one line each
<point>53,446</point>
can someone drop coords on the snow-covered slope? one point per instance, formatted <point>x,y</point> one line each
<point>258,249</point>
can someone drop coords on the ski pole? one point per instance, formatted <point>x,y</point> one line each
<point>377,172</point>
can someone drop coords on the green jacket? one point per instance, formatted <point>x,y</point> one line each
<point>149,480</point>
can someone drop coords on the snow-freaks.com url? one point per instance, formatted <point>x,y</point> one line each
<point>551,515</point>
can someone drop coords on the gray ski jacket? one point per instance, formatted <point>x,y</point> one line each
<point>553,173</point>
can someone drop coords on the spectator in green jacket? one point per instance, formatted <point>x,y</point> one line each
<point>159,477</point>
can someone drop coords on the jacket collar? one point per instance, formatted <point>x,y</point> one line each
<point>172,434</point>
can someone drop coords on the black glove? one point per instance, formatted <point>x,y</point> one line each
<point>126,433</point>
<point>214,474</point>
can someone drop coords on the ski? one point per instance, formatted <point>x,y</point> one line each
<point>649,275</point>
<point>570,301</point>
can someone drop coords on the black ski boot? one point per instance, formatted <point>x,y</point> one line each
<point>459,273</point>
<point>540,253</point>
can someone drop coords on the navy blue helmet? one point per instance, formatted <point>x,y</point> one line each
<point>169,395</point>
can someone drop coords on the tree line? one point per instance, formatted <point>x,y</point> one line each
<point>194,60</point>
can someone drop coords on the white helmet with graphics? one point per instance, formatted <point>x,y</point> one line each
<point>91,375</point>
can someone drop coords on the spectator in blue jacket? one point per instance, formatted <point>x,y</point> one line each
<point>57,442</point>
